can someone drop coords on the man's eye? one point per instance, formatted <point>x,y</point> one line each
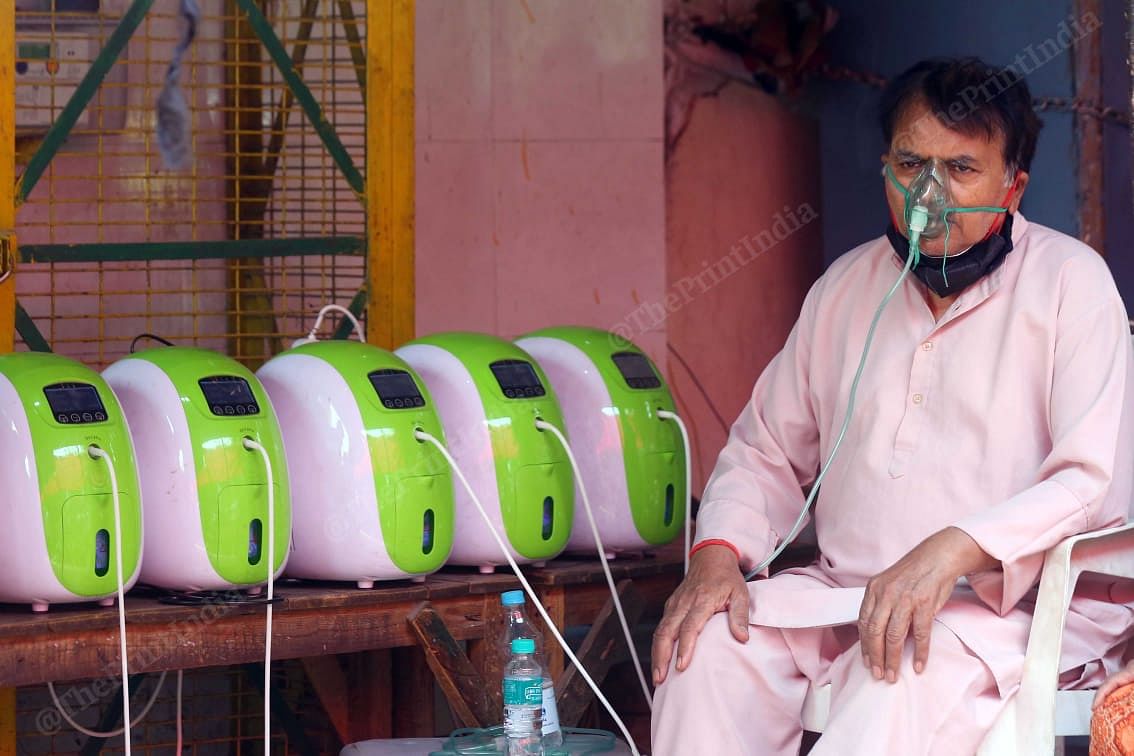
<point>961,168</point>
<point>909,165</point>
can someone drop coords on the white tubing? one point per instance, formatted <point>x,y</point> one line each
<point>311,336</point>
<point>109,733</point>
<point>667,415</point>
<point>917,225</point>
<point>421,435</point>
<point>253,446</point>
<point>544,425</point>
<point>97,453</point>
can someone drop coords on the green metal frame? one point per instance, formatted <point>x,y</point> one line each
<point>303,96</point>
<point>61,128</point>
<point>28,331</point>
<point>356,306</point>
<point>57,135</point>
<point>206,250</point>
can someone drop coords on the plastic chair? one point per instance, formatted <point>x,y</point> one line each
<point>1039,712</point>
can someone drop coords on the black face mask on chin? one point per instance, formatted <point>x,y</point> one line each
<point>961,271</point>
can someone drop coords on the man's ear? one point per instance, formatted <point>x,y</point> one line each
<point>1021,182</point>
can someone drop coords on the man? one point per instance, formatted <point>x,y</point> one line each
<point>993,419</point>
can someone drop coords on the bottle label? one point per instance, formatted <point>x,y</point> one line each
<point>521,721</point>
<point>550,711</point>
<point>525,691</point>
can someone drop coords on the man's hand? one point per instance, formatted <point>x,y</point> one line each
<point>1119,679</point>
<point>904,599</point>
<point>714,584</point>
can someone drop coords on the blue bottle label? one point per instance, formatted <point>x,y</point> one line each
<point>523,691</point>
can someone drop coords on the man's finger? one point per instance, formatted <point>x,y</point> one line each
<point>664,637</point>
<point>922,631</point>
<point>738,613</point>
<point>897,628</point>
<point>872,635</point>
<point>864,613</point>
<point>694,622</point>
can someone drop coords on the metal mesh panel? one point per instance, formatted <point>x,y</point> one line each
<point>259,170</point>
<point>221,715</point>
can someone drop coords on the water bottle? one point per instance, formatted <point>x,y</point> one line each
<point>523,700</point>
<point>518,625</point>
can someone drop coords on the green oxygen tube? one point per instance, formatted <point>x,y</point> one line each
<point>918,217</point>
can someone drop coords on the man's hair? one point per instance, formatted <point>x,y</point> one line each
<point>970,97</point>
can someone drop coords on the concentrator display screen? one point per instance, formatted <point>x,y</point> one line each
<point>74,403</point>
<point>517,379</point>
<point>396,389</point>
<point>229,395</point>
<point>636,369</point>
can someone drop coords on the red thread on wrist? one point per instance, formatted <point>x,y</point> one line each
<point>714,542</point>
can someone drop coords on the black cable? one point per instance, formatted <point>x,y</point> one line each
<point>208,598</point>
<point>697,383</point>
<point>140,336</point>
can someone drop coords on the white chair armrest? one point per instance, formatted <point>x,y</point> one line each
<point>1109,552</point>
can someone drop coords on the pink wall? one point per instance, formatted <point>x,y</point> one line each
<point>543,198</point>
<point>540,187</point>
<point>745,168</point>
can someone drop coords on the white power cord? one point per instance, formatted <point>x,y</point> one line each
<point>254,446</point>
<point>109,733</point>
<point>667,415</point>
<point>421,435</point>
<point>97,453</point>
<point>544,425</point>
<point>312,334</point>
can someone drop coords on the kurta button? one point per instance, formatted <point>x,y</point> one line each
<point>917,398</point>
<point>927,346</point>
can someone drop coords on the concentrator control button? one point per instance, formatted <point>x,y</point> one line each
<point>100,416</point>
<point>62,417</point>
<point>228,410</point>
<point>76,417</point>
<point>510,393</point>
<point>253,409</point>
<point>241,409</point>
<point>399,403</point>
<point>917,398</point>
<point>418,402</point>
<point>388,403</point>
<point>88,417</point>
<point>927,346</point>
<point>217,409</point>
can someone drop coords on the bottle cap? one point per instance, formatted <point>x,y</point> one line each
<point>512,598</point>
<point>523,646</point>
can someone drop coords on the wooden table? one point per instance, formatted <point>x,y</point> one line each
<point>315,622</point>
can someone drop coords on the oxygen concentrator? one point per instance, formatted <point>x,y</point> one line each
<point>204,492</point>
<point>369,501</point>
<point>489,394</point>
<point>57,541</point>
<point>632,461</point>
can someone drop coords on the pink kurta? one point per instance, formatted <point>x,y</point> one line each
<point>1011,418</point>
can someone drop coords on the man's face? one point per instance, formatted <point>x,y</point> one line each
<point>976,171</point>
